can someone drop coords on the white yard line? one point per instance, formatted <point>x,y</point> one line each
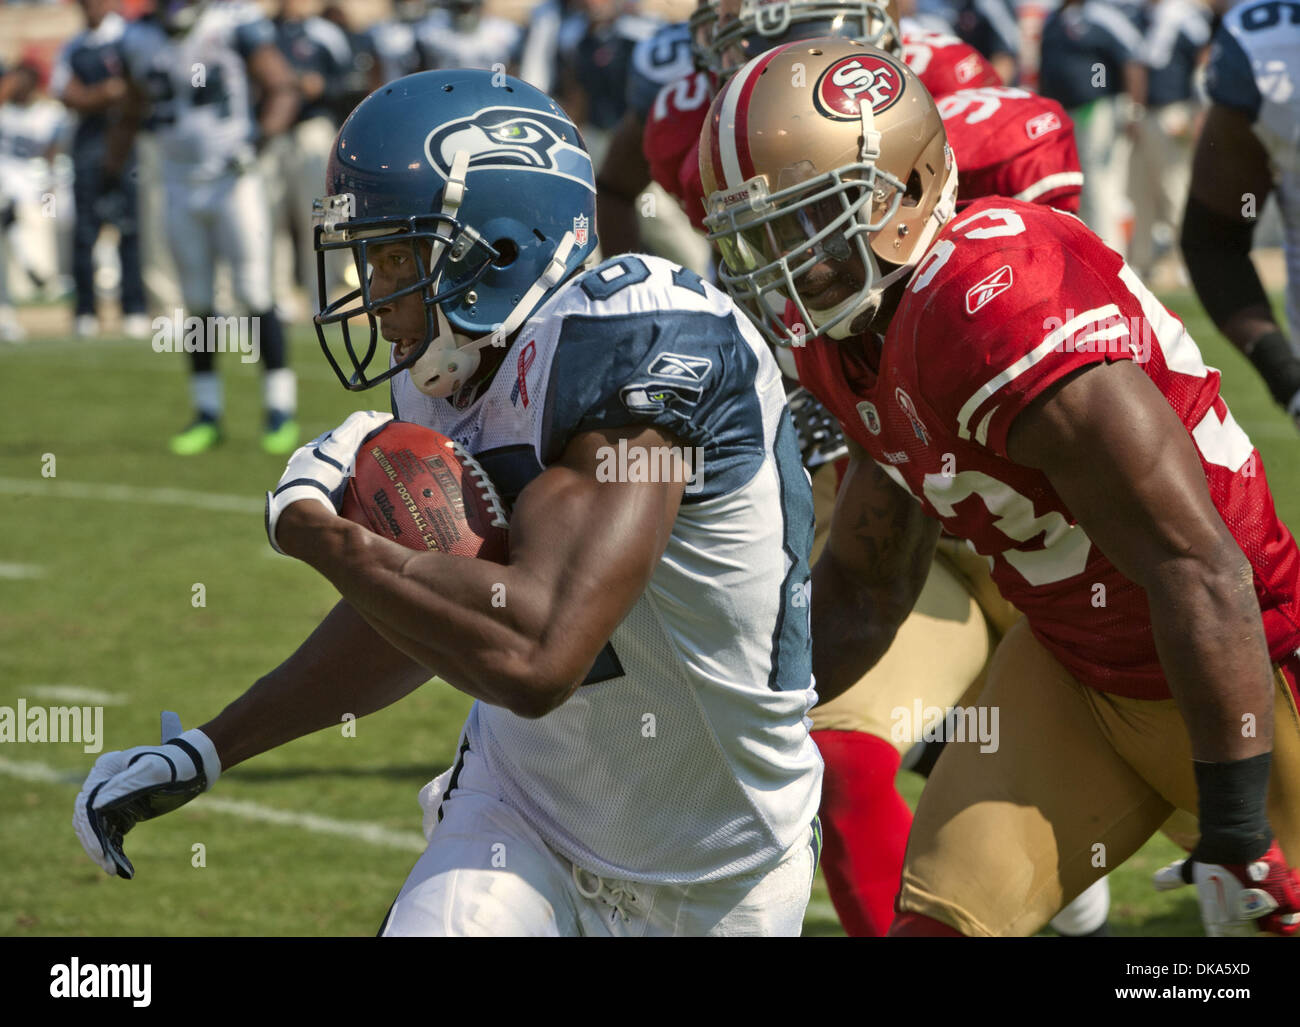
<point>77,694</point>
<point>357,830</point>
<point>53,488</point>
<point>21,571</point>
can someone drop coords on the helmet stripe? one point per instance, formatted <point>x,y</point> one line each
<point>721,127</point>
<point>737,164</point>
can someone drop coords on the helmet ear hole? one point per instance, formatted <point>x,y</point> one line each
<point>912,194</point>
<point>508,251</point>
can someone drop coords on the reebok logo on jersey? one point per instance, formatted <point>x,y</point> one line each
<point>986,289</point>
<point>967,68</point>
<point>680,367</point>
<point>1041,124</point>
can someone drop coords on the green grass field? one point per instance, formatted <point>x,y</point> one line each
<point>98,568</point>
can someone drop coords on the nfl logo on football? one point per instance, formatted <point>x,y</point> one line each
<point>580,230</point>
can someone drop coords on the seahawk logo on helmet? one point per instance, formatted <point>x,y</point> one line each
<point>846,84</point>
<point>509,139</point>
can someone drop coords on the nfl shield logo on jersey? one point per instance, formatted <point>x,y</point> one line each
<point>580,230</point>
<point>870,417</point>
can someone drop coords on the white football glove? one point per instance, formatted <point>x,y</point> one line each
<point>124,788</point>
<point>320,470</point>
<point>1243,899</point>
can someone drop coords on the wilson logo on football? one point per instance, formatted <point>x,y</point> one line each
<point>986,289</point>
<point>847,83</point>
<point>1041,124</point>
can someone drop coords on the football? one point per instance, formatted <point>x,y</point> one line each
<point>424,491</point>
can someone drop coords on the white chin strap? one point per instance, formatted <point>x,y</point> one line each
<point>450,360</point>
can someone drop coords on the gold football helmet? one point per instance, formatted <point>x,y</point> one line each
<point>822,150</point>
<point>746,28</point>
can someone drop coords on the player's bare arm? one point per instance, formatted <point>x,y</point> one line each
<point>272,74</point>
<point>1118,456</point>
<point>623,175</point>
<point>91,99</point>
<point>122,130</point>
<point>869,575</point>
<point>1231,178</point>
<point>343,667</point>
<point>581,552</point>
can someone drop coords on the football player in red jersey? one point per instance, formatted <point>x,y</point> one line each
<point>1010,142</point>
<point>1031,396</point>
<point>959,613</point>
<point>944,63</point>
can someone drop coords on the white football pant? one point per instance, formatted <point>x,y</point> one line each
<point>487,873</point>
<point>227,220</point>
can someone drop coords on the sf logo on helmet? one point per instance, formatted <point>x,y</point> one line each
<point>853,80</point>
<point>510,139</point>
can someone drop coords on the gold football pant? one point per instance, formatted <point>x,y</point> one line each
<point>1078,782</point>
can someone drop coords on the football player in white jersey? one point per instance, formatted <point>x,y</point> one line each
<point>1249,147</point>
<point>194,70</point>
<point>458,34</point>
<point>639,750</point>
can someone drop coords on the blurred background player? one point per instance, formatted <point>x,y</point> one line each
<point>458,34</point>
<point>294,163</point>
<point>89,79</point>
<point>1249,148</point>
<point>1175,35</point>
<point>944,63</point>
<point>1091,55</point>
<point>196,68</point>
<point>391,42</point>
<point>31,126</point>
<point>988,26</point>
<point>537,55</point>
<point>354,85</point>
<point>596,44</point>
<point>635,213</point>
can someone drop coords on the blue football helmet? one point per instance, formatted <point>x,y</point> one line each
<point>490,182</point>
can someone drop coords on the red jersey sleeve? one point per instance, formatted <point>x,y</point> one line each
<point>1029,295</point>
<point>691,185</point>
<point>672,131</point>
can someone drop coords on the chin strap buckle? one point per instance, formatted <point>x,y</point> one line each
<point>870,136</point>
<point>453,195</point>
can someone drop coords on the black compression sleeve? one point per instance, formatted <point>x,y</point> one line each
<point>1217,252</point>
